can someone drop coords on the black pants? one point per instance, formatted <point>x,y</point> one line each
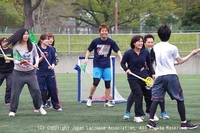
<point>8,78</point>
<point>137,91</point>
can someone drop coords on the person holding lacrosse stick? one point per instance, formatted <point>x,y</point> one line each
<point>167,79</point>
<point>149,43</point>
<point>134,63</point>
<point>6,69</point>
<point>46,73</point>
<point>24,70</point>
<point>51,44</point>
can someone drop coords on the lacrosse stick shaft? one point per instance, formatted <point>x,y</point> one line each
<point>136,76</point>
<point>44,56</point>
<point>2,52</point>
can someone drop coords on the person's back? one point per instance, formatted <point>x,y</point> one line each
<point>165,54</point>
<point>167,79</point>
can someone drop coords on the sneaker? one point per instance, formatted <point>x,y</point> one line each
<point>7,104</point>
<point>89,102</point>
<point>151,125</point>
<point>126,115</point>
<point>59,110</point>
<point>49,104</point>
<point>188,126</point>
<point>138,119</point>
<point>35,110</point>
<point>108,104</point>
<point>42,111</point>
<point>164,115</point>
<point>11,114</point>
<point>155,117</point>
<point>46,106</point>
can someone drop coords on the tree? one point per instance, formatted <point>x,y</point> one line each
<point>95,12</point>
<point>9,16</point>
<point>28,11</point>
<point>192,17</point>
<point>131,13</point>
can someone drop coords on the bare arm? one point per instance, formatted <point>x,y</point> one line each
<point>86,56</point>
<point>120,55</point>
<point>184,59</point>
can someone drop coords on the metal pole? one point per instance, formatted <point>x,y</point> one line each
<point>116,17</point>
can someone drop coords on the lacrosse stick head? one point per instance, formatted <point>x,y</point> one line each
<point>149,82</point>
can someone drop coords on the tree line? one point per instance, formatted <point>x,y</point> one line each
<point>46,14</point>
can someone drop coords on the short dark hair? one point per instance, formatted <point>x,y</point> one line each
<point>164,32</point>
<point>42,37</point>
<point>2,39</point>
<point>135,39</point>
<point>148,36</point>
<point>102,26</point>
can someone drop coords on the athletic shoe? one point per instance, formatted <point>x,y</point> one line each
<point>188,126</point>
<point>155,117</point>
<point>164,115</point>
<point>11,114</point>
<point>7,104</point>
<point>89,102</point>
<point>126,115</point>
<point>42,111</point>
<point>49,104</point>
<point>138,119</point>
<point>108,104</point>
<point>151,125</point>
<point>46,106</point>
<point>59,110</point>
<point>35,110</point>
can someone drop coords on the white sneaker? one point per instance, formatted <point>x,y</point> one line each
<point>35,110</point>
<point>59,110</point>
<point>108,104</point>
<point>138,119</point>
<point>42,111</point>
<point>11,114</point>
<point>155,117</point>
<point>89,102</point>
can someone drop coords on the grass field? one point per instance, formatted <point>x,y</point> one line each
<point>77,118</point>
<point>78,43</point>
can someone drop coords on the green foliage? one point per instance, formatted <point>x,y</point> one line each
<point>9,16</point>
<point>192,16</point>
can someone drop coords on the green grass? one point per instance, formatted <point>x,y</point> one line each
<point>77,44</point>
<point>77,118</point>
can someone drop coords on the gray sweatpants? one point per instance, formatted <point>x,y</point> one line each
<point>19,79</point>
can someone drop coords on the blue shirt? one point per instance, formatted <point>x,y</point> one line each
<point>137,63</point>
<point>49,52</point>
<point>102,51</point>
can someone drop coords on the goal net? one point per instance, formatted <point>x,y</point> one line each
<point>85,80</point>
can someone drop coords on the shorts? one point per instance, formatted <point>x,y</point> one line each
<point>104,73</point>
<point>167,83</point>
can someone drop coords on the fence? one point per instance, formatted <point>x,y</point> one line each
<point>76,44</point>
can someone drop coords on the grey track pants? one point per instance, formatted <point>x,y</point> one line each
<point>19,79</point>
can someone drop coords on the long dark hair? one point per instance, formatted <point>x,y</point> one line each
<point>18,36</point>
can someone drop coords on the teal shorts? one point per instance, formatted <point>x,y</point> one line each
<point>104,73</point>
